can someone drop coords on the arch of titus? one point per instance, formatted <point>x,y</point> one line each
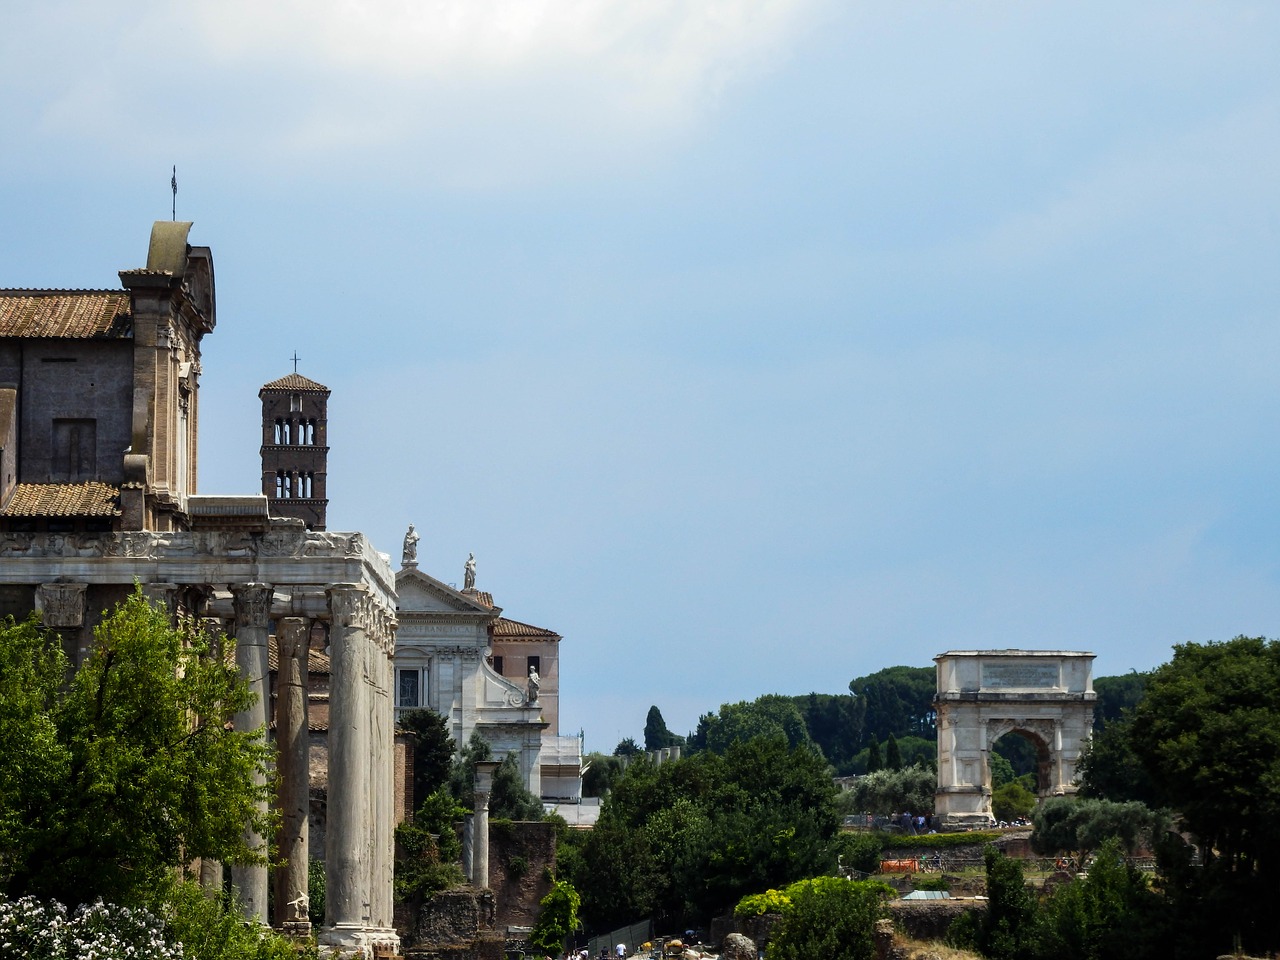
<point>99,403</point>
<point>1044,695</point>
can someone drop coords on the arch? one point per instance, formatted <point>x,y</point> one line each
<point>983,695</point>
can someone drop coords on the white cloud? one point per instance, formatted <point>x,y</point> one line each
<point>460,89</point>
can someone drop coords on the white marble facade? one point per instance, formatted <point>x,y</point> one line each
<point>442,646</point>
<point>1044,695</point>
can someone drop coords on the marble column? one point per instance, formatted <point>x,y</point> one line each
<point>347,875</point>
<point>252,602</point>
<point>291,766</point>
<point>480,842</point>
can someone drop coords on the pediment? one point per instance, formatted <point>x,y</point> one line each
<point>421,593</point>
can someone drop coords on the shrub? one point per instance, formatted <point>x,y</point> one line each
<point>557,919</point>
<point>859,851</point>
<point>756,904</point>
<point>30,929</point>
<point>829,917</point>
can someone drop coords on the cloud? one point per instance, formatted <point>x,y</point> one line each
<point>462,91</point>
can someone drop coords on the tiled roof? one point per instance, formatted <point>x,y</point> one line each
<point>74,314</point>
<point>90,499</point>
<point>505,629</point>
<point>296,381</point>
<point>482,597</point>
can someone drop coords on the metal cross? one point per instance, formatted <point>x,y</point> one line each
<point>296,358</point>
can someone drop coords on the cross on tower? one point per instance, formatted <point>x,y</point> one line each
<point>296,358</point>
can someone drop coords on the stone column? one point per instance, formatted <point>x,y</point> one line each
<point>480,843</point>
<point>62,607</point>
<point>346,839</point>
<point>381,776</point>
<point>252,603</point>
<point>291,766</point>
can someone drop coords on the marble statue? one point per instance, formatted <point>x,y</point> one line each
<point>534,682</point>
<point>469,573</point>
<point>410,555</point>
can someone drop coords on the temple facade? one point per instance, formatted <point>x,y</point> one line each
<point>99,418</point>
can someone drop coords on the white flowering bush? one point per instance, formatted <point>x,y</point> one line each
<point>97,931</point>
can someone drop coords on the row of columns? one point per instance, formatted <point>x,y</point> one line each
<point>359,838</point>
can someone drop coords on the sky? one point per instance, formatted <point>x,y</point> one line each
<point>751,345</point>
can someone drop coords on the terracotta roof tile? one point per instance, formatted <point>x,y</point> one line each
<point>317,661</point>
<point>74,314</point>
<point>90,499</point>
<point>296,381</point>
<point>482,597</point>
<point>505,629</point>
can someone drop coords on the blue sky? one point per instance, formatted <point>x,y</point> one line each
<point>753,346</point>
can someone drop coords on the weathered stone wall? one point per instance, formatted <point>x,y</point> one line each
<point>929,919</point>
<point>455,925</point>
<point>521,858</point>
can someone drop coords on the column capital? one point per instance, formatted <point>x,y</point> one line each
<point>350,605</point>
<point>61,604</point>
<point>252,602</point>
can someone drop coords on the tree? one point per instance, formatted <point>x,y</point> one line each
<point>874,762</point>
<point>898,700</point>
<point>1117,696</point>
<point>111,781</point>
<point>1011,801</point>
<point>893,791</point>
<point>1008,928</point>
<point>767,716</point>
<point>557,918</point>
<point>509,798</point>
<point>892,755</point>
<point>427,848</point>
<point>1110,769</point>
<point>433,750</point>
<point>626,748</point>
<point>600,773</point>
<point>462,778</point>
<point>656,734</point>
<point>1080,826</point>
<point>829,917</point>
<point>1207,730</point>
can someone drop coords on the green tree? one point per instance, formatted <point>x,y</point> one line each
<point>656,734</point>
<point>829,917</point>
<point>892,755</point>
<point>1008,928</point>
<point>1117,696</point>
<point>602,771</point>
<point>1001,770</point>
<point>1108,914</point>
<point>874,762</point>
<point>1079,826</point>
<point>110,781</point>
<point>767,716</point>
<point>1012,800</point>
<point>1110,769</point>
<point>898,700</point>
<point>428,850</point>
<point>894,791</point>
<point>509,798</point>
<point>462,778</point>
<point>433,750</point>
<point>626,748</point>
<point>557,918</point>
<point>1207,730</point>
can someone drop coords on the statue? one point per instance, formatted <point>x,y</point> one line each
<point>409,558</point>
<point>534,682</point>
<point>469,573</point>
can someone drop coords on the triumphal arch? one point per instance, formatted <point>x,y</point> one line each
<point>1045,696</point>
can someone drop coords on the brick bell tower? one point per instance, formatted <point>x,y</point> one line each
<point>295,450</point>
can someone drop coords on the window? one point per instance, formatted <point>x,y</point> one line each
<point>409,689</point>
<point>497,665</point>
<point>295,403</point>
<point>75,450</point>
<point>535,663</point>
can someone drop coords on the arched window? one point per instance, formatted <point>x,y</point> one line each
<point>279,484</point>
<point>311,433</point>
<point>279,432</point>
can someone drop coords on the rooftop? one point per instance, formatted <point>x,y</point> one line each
<point>70,314</point>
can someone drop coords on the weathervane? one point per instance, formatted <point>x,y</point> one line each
<point>173,185</point>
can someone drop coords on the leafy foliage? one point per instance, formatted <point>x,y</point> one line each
<point>891,791</point>
<point>557,918</point>
<point>767,716</point>
<point>428,849</point>
<point>859,851</point>
<point>509,798</point>
<point>898,701</point>
<point>1012,800</point>
<point>692,836</point>
<point>110,781</point>
<point>1007,931</point>
<point>211,928</point>
<point>1081,826</point>
<point>433,750</point>
<point>603,771</point>
<point>656,734</point>
<point>758,904</point>
<point>829,917</point>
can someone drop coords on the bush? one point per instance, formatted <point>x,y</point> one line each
<point>211,928</point>
<point>859,851</point>
<point>758,904</point>
<point>32,929</point>
<point>831,918</point>
<point>557,919</point>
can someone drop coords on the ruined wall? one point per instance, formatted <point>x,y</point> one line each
<point>521,859</point>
